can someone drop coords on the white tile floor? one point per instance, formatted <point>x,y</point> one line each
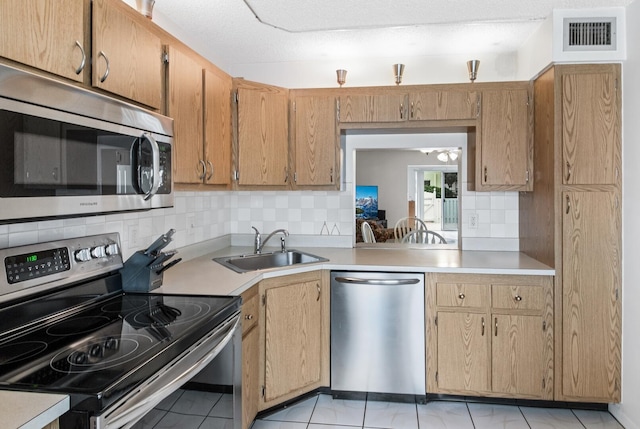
<point>187,409</point>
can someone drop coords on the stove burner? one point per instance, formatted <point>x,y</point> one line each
<point>11,353</point>
<point>189,311</point>
<point>100,354</point>
<point>117,306</point>
<point>78,325</point>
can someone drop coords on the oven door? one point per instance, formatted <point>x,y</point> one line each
<point>57,163</point>
<point>131,408</point>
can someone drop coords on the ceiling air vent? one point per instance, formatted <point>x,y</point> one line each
<point>589,34</point>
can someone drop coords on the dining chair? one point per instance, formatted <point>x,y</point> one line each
<point>422,236</point>
<point>406,225</point>
<point>367,233</point>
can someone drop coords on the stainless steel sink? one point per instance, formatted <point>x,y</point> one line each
<point>263,261</point>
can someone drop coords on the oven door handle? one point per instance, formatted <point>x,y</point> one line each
<point>133,407</point>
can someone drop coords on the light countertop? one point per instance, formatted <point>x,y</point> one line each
<point>26,410</point>
<point>201,275</point>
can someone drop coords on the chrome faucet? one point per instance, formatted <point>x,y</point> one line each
<point>258,243</point>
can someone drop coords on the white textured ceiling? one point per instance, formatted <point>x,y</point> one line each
<point>236,32</point>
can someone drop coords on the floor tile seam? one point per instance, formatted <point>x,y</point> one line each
<point>193,415</point>
<point>470,415</point>
<point>576,416</point>
<point>524,417</point>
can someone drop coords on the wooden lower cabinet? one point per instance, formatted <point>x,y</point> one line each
<point>294,336</point>
<point>250,356</point>
<point>490,335</point>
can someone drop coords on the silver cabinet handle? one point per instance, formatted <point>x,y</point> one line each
<point>461,296</point>
<point>482,332</point>
<point>485,174</point>
<point>496,325</point>
<point>518,298</point>
<point>411,114</point>
<point>384,282</point>
<point>204,170</point>
<point>568,171</point>
<point>106,72</point>
<point>84,58</point>
<point>210,175</point>
<point>568,204</point>
<point>401,111</point>
<point>318,286</point>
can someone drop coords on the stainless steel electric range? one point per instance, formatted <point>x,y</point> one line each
<point>67,327</point>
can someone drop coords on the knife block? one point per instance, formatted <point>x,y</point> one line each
<point>138,275</point>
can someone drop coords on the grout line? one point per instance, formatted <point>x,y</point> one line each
<point>524,417</point>
<point>470,416</point>
<point>576,416</point>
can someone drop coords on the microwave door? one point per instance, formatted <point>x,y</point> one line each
<point>147,161</point>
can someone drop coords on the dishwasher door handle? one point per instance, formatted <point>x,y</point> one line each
<point>385,282</point>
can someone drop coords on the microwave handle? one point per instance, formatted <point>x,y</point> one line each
<point>156,166</point>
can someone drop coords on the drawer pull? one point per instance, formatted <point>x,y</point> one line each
<point>518,298</point>
<point>248,317</point>
<point>461,296</point>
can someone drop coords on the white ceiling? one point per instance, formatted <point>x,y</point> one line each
<point>276,31</point>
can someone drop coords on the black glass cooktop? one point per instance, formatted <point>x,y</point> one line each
<point>106,344</point>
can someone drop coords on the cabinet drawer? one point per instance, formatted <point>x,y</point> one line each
<point>461,295</point>
<point>517,297</point>
<point>250,307</point>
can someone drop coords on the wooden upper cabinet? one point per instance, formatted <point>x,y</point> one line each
<point>503,156</point>
<point>217,127</point>
<point>262,134</point>
<point>591,138</point>
<point>46,34</point>
<point>373,108</point>
<point>443,105</point>
<point>127,57</point>
<point>591,302</point>
<point>315,140</point>
<point>185,107</point>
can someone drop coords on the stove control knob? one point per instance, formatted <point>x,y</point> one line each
<point>111,249</point>
<point>95,350</point>
<point>83,255</point>
<point>79,358</point>
<point>98,252</point>
<point>111,343</point>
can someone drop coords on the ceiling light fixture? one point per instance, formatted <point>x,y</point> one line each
<point>448,155</point>
<point>342,77</point>
<point>398,70</point>
<point>472,67</point>
<point>145,7</point>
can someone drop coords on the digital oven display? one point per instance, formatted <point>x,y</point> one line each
<point>29,266</point>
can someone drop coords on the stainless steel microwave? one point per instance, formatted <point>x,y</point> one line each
<point>67,151</point>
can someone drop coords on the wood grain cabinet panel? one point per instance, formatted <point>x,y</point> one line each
<point>262,130</point>
<point>518,297</point>
<point>217,127</point>
<point>46,34</point>
<point>250,357</point>
<point>590,132</point>
<point>294,324</point>
<point>591,305</point>
<point>185,107</point>
<point>462,295</point>
<point>127,56</point>
<point>463,352</point>
<point>503,156</point>
<point>315,141</point>
<point>373,108</point>
<point>443,105</point>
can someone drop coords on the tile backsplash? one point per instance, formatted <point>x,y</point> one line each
<point>201,216</point>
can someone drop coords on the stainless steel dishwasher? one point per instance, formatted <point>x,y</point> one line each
<point>377,332</point>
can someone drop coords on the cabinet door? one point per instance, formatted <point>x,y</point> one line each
<point>127,57</point>
<point>293,341</point>
<point>47,34</point>
<point>591,129</point>
<point>504,145</point>
<point>591,313</point>
<point>250,375</point>
<point>373,108</point>
<point>442,105</point>
<point>217,127</point>
<point>463,351</point>
<point>315,140</point>
<point>518,363</point>
<point>185,107</point>
<point>262,136</point>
